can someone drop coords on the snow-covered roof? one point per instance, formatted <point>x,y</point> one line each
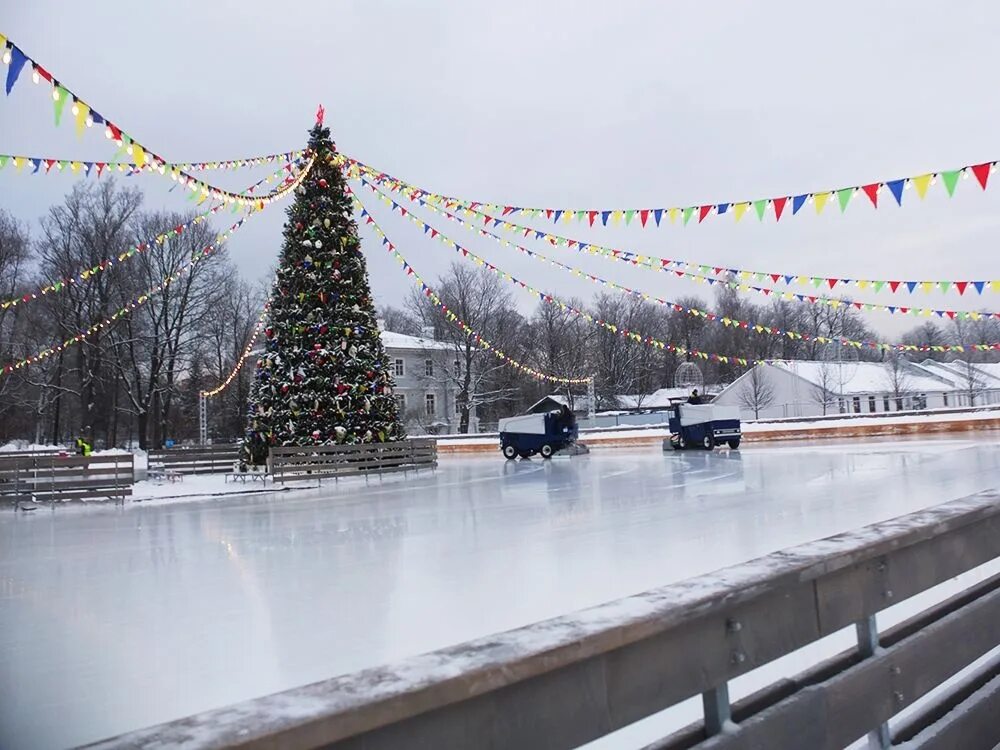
<point>393,340</point>
<point>662,398</point>
<point>986,374</point>
<point>860,377</point>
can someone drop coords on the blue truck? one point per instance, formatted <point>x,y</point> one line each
<point>545,433</point>
<point>704,426</point>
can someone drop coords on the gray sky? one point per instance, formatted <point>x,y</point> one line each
<point>577,104</point>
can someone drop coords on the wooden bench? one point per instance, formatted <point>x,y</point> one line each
<point>196,459</point>
<point>41,478</point>
<point>293,463</point>
<point>246,476</point>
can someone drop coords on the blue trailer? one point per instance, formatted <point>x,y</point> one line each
<point>537,433</point>
<point>704,426</point>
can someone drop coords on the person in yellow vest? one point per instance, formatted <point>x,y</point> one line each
<point>83,446</point>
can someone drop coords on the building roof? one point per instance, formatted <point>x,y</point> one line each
<point>393,340</point>
<point>986,374</point>
<point>861,377</point>
<point>662,398</point>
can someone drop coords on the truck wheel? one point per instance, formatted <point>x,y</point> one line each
<point>509,452</point>
<point>734,443</point>
<point>708,443</point>
<point>681,443</point>
<point>546,451</point>
<point>675,444</point>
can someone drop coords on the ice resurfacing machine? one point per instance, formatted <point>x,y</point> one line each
<point>704,426</point>
<point>537,433</point>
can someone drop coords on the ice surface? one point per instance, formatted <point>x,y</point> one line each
<point>116,618</point>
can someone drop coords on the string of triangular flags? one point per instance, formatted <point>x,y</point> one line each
<point>86,117</point>
<point>786,205</point>
<point>696,312</point>
<point>87,274</point>
<point>84,168</point>
<point>671,265</point>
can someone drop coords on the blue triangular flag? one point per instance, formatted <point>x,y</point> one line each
<point>497,222</point>
<point>911,285</point>
<point>979,286</point>
<point>604,217</point>
<point>939,313</point>
<point>789,279</point>
<point>892,309</point>
<point>427,228</point>
<point>539,235</point>
<point>36,163</point>
<point>657,213</point>
<point>896,187</point>
<point>17,61</point>
<point>556,215</point>
<point>797,202</point>
<point>90,165</point>
<point>98,120</point>
<point>722,208</point>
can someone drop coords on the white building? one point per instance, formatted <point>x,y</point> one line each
<point>779,389</point>
<point>426,390</point>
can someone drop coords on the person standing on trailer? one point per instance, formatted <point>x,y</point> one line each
<point>694,398</point>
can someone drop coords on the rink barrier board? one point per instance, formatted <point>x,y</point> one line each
<point>54,478</point>
<point>811,432</point>
<point>288,464</point>
<point>201,459</point>
<point>569,680</point>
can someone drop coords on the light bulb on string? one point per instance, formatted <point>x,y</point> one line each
<point>75,109</point>
<point>55,94</point>
<point>34,76</point>
<point>6,56</point>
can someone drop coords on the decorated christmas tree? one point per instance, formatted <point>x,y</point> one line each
<point>323,377</point>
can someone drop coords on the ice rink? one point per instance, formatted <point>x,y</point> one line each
<point>116,618</point>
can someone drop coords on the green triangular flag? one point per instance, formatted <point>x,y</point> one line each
<point>59,103</point>
<point>816,281</point>
<point>878,285</point>
<point>687,214</point>
<point>628,216</point>
<point>580,214</point>
<point>759,207</point>
<point>945,285</point>
<point>844,196</point>
<point>3,161</point>
<point>950,181</point>
<point>758,277</point>
<point>63,164</point>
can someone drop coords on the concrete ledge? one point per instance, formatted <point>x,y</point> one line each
<point>804,431</point>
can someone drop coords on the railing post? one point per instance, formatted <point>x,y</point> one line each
<point>867,630</point>
<point>718,712</point>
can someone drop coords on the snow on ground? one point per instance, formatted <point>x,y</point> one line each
<point>113,618</point>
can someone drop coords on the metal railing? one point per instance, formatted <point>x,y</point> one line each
<point>572,679</point>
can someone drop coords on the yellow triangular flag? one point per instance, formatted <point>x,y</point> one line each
<point>673,213</point>
<point>995,286</point>
<point>616,216</point>
<point>18,162</point>
<point>74,167</point>
<point>138,154</point>
<point>82,111</point>
<point>739,209</point>
<point>926,286</point>
<point>862,284</point>
<point>921,183</point>
<point>820,200</point>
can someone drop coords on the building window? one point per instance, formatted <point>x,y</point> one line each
<point>871,404</point>
<point>886,406</point>
<point>429,368</point>
<point>920,401</point>
<point>857,404</point>
<point>843,406</point>
<point>945,397</point>
<point>458,407</point>
<point>399,368</point>
<point>401,402</point>
<point>430,405</point>
<point>899,404</point>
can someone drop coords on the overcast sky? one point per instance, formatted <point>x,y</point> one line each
<point>579,104</point>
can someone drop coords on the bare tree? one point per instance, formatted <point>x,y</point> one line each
<point>826,387</point>
<point>399,320</point>
<point>757,392</point>
<point>897,378</point>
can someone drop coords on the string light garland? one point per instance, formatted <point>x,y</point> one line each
<point>232,164</point>
<point>129,307</point>
<point>451,316</point>
<point>105,264</point>
<point>668,265</point>
<point>129,167</point>
<point>709,316</point>
<point>247,351</point>
<point>779,206</point>
<point>86,117</point>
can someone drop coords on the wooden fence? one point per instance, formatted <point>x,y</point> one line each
<point>198,459</point>
<point>572,679</point>
<point>50,477</point>
<point>335,461</point>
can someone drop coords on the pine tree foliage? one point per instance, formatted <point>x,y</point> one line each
<point>323,377</point>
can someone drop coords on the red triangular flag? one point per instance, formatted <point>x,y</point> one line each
<point>872,192</point>
<point>548,213</point>
<point>894,285</point>
<point>832,282</point>
<point>982,173</point>
<point>779,206</point>
<point>950,314</point>
<point>591,215</point>
<point>643,215</point>
<point>903,310</point>
<point>703,212</point>
<point>960,286</point>
<point>775,277</point>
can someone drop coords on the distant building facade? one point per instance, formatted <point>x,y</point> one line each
<point>426,389</point>
<point>779,389</point>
